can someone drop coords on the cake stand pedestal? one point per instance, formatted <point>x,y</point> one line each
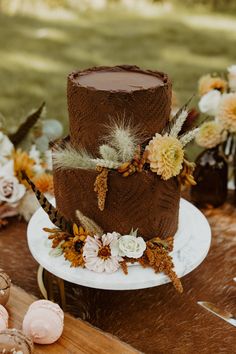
<point>191,245</point>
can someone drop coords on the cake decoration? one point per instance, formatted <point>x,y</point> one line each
<point>52,212</point>
<point>43,322</point>
<point>117,176</point>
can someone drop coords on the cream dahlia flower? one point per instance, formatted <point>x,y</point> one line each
<point>227,112</point>
<point>210,135</point>
<point>208,83</point>
<point>165,155</point>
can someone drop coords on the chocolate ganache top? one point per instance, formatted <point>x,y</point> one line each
<point>119,80</point>
<point>100,95</point>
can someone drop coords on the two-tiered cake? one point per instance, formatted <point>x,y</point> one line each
<point>121,95</point>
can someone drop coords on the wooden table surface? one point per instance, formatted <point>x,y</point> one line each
<point>78,336</point>
<point>155,320</point>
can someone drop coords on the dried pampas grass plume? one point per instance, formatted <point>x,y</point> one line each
<point>123,138</point>
<point>88,224</point>
<point>67,157</point>
<point>108,153</point>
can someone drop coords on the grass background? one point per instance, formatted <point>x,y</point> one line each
<point>39,49</point>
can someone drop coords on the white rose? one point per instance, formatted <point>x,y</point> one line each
<point>232,77</point>
<point>11,191</point>
<point>209,102</point>
<point>6,148</point>
<point>131,246</point>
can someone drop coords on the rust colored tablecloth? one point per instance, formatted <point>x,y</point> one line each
<point>155,320</point>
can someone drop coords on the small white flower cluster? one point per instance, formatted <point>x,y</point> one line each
<point>104,254</point>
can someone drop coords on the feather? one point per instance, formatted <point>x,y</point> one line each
<point>53,214</point>
<point>25,127</point>
<point>68,157</point>
<point>88,224</point>
<point>173,121</point>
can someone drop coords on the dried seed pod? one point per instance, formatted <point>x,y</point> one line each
<point>124,167</point>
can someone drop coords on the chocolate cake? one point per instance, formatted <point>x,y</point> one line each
<point>101,96</point>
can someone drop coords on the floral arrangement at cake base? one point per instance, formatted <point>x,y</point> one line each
<point>217,135</point>
<point>26,151</point>
<point>112,251</point>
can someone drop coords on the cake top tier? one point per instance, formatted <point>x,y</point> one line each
<point>119,80</point>
<point>101,95</point>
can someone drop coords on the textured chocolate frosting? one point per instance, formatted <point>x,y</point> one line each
<point>143,200</point>
<point>145,102</point>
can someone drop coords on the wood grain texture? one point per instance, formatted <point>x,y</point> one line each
<point>155,320</point>
<point>78,337</point>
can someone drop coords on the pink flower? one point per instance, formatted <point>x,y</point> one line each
<point>98,255</point>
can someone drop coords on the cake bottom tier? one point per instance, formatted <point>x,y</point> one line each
<point>142,201</point>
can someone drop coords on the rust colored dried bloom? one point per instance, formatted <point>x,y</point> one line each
<point>157,256</point>
<point>124,266</point>
<point>100,186</point>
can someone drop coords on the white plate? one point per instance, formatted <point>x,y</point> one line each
<point>192,242</point>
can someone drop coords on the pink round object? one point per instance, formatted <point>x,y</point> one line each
<point>44,322</point>
<point>3,318</point>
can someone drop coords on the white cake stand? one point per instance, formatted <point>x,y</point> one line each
<point>191,245</point>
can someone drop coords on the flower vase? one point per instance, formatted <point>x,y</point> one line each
<point>211,175</point>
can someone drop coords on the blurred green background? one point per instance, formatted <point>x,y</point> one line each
<point>42,41</point>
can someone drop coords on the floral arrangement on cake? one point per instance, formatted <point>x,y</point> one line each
<point>26,150</point>
<point>218,101</point>
<point>84,243</point>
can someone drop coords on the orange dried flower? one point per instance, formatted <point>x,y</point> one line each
<point>23,163</point>
<point>44,182</point>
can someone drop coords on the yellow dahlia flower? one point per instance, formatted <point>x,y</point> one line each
<point>208,83</point>
<point>227,112</point>
<point>165,155</point>
<point>210,135</point>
